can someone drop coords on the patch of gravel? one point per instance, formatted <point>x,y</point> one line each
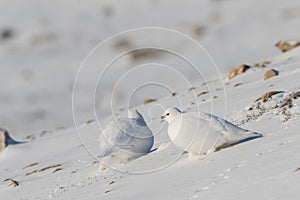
<point>281,104</point>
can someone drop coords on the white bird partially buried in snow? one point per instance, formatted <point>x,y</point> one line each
<point>124,139</point>
<point>200,133</point>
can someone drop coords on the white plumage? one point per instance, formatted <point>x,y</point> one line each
<point>125,139</point>
<point>199,133</point>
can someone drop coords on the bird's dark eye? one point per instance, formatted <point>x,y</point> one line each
<point>168,114</point>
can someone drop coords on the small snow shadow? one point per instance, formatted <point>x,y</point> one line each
<point>246,140</point>
<point>152,150</point>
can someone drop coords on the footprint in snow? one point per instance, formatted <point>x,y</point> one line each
<point>219,178</point>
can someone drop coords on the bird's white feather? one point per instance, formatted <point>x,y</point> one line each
<point>125,139</point>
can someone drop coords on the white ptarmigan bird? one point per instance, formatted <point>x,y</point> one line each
<point>200,133</point>
<point>124,139</point>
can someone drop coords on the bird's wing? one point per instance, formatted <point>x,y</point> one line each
<point>216,123</point>
<point>230,131</point>
<point>116,136</point>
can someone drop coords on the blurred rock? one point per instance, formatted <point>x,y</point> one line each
<point>43,38</point>
<point>6,33</point>
<point>265,97</point>
<point>144,54</point>
<point>238,70</point>
<point>202,93</point>
<point>13,183</point>
<point>198,31</point>
<point>287,45</point>
<point>237,84</point>
<point>123,44</point>
<point>107,10</point>
<point>191,88</point>
<point>5,139</point>
<point>146,101</point>
<point>262,64</point>
<point>271,73</point>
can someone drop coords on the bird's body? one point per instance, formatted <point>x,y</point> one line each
<point>124,139</point>
<point>199,133</point>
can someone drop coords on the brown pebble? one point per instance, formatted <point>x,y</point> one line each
<point>287,45</point>
<point>94,162</point>
<point>31,165</point>
<point>5,139</point>
<point>296,95</point>
<point>13,183</point>
<point>56,170</point>
<point>198,31</point>
<point>297,169</point>
<point>288,102</point>
<point>142,54</point>
<point>262,64</point>
<point>202,93</point>
<point>238,84</point>
<point>146,101</point>
<point>32,172</point>
<point>49,167</point>
<point>238,70</point>
<point>43,169</point>
<point>112,182</point>
<point>271,73</point>
<point>89,121</point>
<point>123,44</point>
<point>265,97</point>
<point>192,88</point>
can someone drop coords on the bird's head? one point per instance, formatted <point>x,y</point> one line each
<point>170,114</point>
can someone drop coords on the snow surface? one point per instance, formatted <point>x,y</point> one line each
<point>59,161</point>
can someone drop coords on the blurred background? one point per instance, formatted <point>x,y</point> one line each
<point>43,43</point>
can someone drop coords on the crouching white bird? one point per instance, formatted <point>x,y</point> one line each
<point>199,133</point>
<point>124,139</point>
